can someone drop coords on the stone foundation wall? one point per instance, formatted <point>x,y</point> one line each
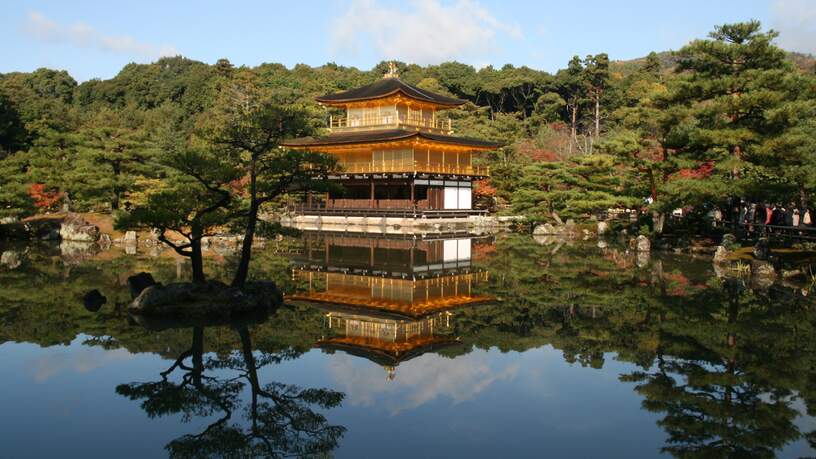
<point>390,225</point>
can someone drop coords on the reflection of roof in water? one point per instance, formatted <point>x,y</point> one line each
<point>409,310</point>
<point>436,270</point>
<point>405,297</point>
<point>385,353</point>
<point>383,338</point>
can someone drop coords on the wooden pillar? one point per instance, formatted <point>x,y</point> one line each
<point>371,205</point>
<point>413,195</point>
<point>309,199</point>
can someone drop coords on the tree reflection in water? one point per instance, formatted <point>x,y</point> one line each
<point>279,420</point>
<point>727,366</point>
<point>720,379</point>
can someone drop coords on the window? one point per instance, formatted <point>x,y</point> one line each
<point>392,192</point>
<point>396,159</point>
<point>421,192</point>
<point>351,192</point>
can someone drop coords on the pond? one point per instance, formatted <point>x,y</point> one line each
<point>392,346</point>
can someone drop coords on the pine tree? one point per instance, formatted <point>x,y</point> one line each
<point>113,152</point>
<point>14,198</point>
<point>729,83</point>
<point>596,79</point>
<point>248,122</point>
<point>785,163</point>
<point>644,139</point>
<point>196,198</point>
<point>577,187</point>
<point>570,84</point>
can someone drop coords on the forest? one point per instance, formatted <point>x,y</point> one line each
<point>727,116</point>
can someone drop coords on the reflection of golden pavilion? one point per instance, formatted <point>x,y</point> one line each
<point>386,341</point>
<point>387,299</point>
<point>407,297</point>
<point>407,277</point>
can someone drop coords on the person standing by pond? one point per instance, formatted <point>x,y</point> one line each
<point>759,217</point>
<point>773,216</point>
<point>750,218</point>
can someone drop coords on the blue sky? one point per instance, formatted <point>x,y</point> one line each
<point>94,39</point>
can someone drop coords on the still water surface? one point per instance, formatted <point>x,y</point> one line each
<point>391,347</point>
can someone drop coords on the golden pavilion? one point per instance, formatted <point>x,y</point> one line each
<point>396,153</point>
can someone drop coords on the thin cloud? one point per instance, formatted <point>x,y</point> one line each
<point>796,22</point>
<point>427,32</point>
<point>419,381</point>
<point>82,361</point>
<point>81,35</point>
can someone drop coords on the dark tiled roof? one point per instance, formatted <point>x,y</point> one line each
<point>385,136</point>
<point>387,87</point>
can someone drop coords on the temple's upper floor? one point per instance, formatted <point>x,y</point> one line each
<point>388,104</point>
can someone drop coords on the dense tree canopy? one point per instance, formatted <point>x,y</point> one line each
<point>729,115</point>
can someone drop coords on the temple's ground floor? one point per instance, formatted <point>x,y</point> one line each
<point>401,197</point>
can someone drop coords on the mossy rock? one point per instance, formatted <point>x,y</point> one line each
<point>210,299</point>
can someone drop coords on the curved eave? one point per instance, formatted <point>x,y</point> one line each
<point>342,102</point>
<point>388,136</point>
<point>388,87</point>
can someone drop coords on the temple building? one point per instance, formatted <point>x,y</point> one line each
<point>396,153</point>
<point>387,299</point>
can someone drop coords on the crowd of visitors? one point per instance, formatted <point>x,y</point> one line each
<point>774,217</point>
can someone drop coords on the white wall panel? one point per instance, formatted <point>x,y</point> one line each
<point>463,249</point>
<point>450,248</point>
<point>464,198</point>
<point>451,198</point>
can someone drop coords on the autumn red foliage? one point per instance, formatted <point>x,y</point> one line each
<point>240,187</point>
<point>483,250</point>
<point>536,153</point>
<point>702,171</point>
<point>43,197</point>
<point>484,188</point>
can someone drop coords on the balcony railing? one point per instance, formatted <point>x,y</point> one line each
<point>380,167</point>
<point>342,123</point>
<point>317,209</point>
